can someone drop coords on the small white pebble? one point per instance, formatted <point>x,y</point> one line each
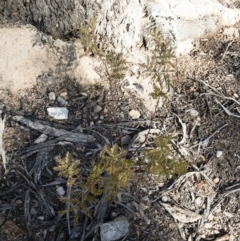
<point>198,201</point>
<point>208,225</point>
<point>60,191</point>
<point>236,95</point>
<point>164,198</point>
<point>219,153</point>
<point>216,180</point>
<point>135,114</point>
<point>51,96</point>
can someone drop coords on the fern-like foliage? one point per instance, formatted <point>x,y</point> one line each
<point>78,196</point>
<point>116,171</point>
<point>159,161</point>
<point>67,169</point>
<point>158,65</point>
<point>87,34</point>
<point>117,66</point>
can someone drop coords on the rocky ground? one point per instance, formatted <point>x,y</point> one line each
<point>202,114</point>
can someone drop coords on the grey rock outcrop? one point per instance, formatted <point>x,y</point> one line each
<point>55,17</point>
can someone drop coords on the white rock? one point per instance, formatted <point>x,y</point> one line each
<point>198,201</point>
<point>219,153</point>
<point>60,191</point>
<point>135,114</point>
<point>216,180</point>
<point>208,225</point>
<point>115,229</point>
<point>181,20</point>
<point>58,113</point>
<point>52,96</point>
<point>41,138</point>
<point>164,198</point>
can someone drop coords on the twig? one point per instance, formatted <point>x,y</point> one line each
<point>222,96</point>
<point>184,128</point>
<point>209,86</point>
<point>207,139</point>
<point>226,50</point>
<point>226,110</point>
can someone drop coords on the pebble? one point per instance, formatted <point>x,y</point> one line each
<point>164,198</point>
<point>58,113</point>
<point>52,96</point>
<point>193,113</point>
<point>62,101</point>
<point>219,153</point>
<point>216,180</point>
<point>60,191</point>
<point>198,201</point>
<point>208,225</point>
<point>97,108</point>
<point>41,138</point>
<point>115,229</point>
<point>135,114</point>
<point>63,94</point>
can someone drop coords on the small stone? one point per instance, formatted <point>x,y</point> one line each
<point>216,180</point>
<point>60,191</point>
<point>52,96</point>
<point>193,113</point>
<point>198,201</point>
<point>219,153</point>
<point>97,108</point>
<point>208,225</point>
<point>164,198</point>
<point>115,229</point>
<point>41,138</point>
<point>135,114</point>
<point>58,113</point>
<point>62,101</point>
<point>33,211</point>
<point>63,94</point>
<point>236,95</point>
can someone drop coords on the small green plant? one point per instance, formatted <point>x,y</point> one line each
<point>78,196</point>
<point>158,65</point>
<point>87,34</point>
<point>159,161</point>
<point>111,173</point>
<point>117,168</point>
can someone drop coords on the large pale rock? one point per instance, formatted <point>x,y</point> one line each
<point>126,23</point>
<point>26,55</point>
<point>21,58</point>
